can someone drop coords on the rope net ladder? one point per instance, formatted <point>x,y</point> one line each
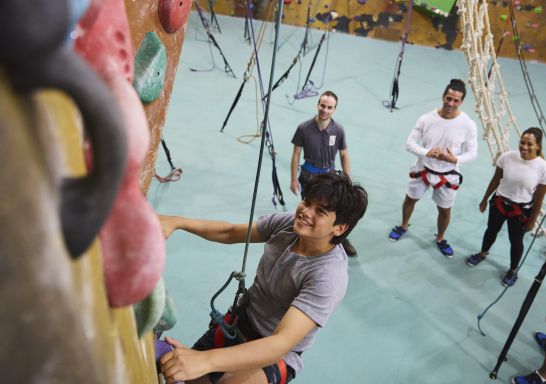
<point>485,79</point>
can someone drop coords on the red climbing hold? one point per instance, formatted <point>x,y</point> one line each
<point>173,14</point>
<point>132,241</point>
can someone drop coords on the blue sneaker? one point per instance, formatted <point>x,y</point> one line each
<point>475,259</point>
<point>445,248</point>
<point>509,279</point>
<point>541,339</point>
<point>396,233</point>
<point>532,378</point>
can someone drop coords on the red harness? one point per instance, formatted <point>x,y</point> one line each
<point>442,175</point>
<point>508,208</point>
<point>219,342</point>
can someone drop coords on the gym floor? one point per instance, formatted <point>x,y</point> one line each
<point>410,314</point>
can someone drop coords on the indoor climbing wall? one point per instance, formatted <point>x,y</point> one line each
<point>157,32</point>
<point>81,250</point>
<point>433,23</point>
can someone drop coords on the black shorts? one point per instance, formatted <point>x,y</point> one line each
<point>272,372</point>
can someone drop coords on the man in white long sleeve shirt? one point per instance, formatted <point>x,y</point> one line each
<point>442,139</point>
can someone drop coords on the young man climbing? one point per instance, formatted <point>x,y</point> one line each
<point>441,140</point>
<point>301,278</point>
<point>321,138</point>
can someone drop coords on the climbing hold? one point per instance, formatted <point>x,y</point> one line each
<point>24,32</point>
<point>107,46</point>
<point>528,48</point>
<point>287,2</point>
<point>39,59</point>
<point>504,17</point>
<point>161,347</point>
<point>132,242</point>
<point>148,311</point>
<point>173,14</point>
<point>150,62</point>
<point>537,10</point>
<point>362,2</point>
<point>169,317</point>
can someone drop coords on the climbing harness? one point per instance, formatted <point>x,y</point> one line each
<point>441,175</point>
<point>247,333</point>
<point>509,208</point>
<point>212,40</point>
<point>229,326</point>
<point>175,174</point>
<point>391,104</point>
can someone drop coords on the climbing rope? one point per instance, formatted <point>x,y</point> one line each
<point>391,104</point>
<point>528,83</point>
<point>212,40</point>
<point>265,125</point>
<point>251,63</point>
<point>304,48</point>
<point>230,329</point>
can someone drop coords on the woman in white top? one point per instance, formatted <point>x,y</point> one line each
<point>519,184</point>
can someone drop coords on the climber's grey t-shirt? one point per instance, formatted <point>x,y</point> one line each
<point>313,284</point>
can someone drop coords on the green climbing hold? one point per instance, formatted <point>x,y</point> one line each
<point>537,10</point>
<point>504,17</point>
<point>169,317</point>
<point>150,63</point>
<point>149,311</point>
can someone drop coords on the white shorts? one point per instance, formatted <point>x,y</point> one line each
<point>444,197</point>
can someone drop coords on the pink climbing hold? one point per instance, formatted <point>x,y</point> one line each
<point>173,14</point>
<point>106,45</point>
<point>132,241</point>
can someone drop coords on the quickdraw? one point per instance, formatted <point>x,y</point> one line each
<point>442,175</point>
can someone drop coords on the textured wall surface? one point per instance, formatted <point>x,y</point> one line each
<point>386,20</point>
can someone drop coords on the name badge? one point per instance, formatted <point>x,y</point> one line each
<point>332,140</point>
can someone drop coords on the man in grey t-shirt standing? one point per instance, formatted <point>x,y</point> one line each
<point>301,278</point>
<point>321,138</point>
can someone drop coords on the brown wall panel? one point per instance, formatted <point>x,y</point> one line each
<point>424,29</point>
